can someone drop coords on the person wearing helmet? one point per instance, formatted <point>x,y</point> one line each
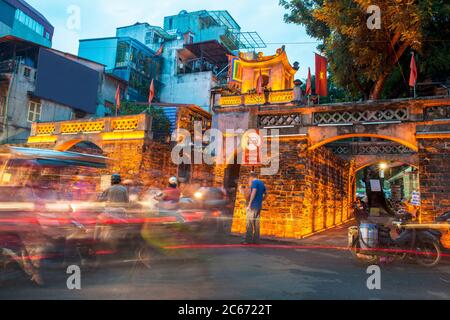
<point>116,198</point>
<point>170,197</point>
<point>117,193</point>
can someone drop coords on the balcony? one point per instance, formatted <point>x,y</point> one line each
<point>251,99</point>
<point>7,66</point>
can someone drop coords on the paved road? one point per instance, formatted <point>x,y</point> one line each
<point>246,273</point>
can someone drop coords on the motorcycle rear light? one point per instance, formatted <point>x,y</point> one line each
<point>193,216</point>
<point>216,214</point>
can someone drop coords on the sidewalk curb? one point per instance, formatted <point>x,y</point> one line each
<point>306,238</point>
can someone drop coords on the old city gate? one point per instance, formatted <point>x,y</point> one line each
<point>315,184</point>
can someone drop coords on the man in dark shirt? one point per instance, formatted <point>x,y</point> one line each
<point>117,193</point>
<point>257,194</point>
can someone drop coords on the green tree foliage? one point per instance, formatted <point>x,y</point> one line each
<point>435,25</point>
<point>365,61</point>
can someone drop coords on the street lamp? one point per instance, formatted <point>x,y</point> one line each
<point>383,166</point>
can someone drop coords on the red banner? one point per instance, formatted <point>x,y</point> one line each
<point>413,72</point>
<point>321,76</point>
<point>309,83</point>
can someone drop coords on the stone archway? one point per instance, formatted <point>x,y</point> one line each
<point>81,146</point>
<point>317,142</point>
<point>367,150</point>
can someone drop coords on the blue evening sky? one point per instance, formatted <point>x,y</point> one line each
<point>99,18</point>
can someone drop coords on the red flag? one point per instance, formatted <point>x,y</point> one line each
<point>259,86</point>
<point>321,76</point>
<point>413,73</point>
<point>308,83</point>
<point>117,98</point>
<point>151,93</point>
<point>160,50</point>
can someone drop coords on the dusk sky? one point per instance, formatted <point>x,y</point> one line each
<point>99,18</point>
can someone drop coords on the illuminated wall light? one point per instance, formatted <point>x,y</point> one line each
<point>383,165</point>
<point>123,135</point>
<point>42,139</point>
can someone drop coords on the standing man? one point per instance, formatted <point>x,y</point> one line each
<point>254,206</point>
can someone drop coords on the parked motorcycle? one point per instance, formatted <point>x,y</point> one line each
<point>444,221</point>
<point>369,242</point>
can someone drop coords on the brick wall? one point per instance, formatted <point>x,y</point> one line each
<point>434,155</point>
<point>150,163</point>
<point>126,157</point>
<point>309,193</point>
<point>145,161</point>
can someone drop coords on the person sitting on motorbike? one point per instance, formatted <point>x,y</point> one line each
<point>360,210</point>
<point>117,193</point>
<point>170,197</point>
<point>116,198</point>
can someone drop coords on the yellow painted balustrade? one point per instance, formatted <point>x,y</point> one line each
<point>252,99</point>
<point>82,127</point>
<point>127,124</point>
<point>281,96</point>
<point>230,100</point>
<point>45,129</point>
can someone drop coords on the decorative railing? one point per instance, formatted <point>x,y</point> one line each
<point>249,99</point>
<point>437,113</point>
<point>110,128</point>
<point>45,129</point>
<point>281,96</point>
<point>371,148</point>
<point>342,117</point>
<point>82,127</point>
<point>128,124</point>
<point>280,120</point>
<point>230,100</point>
<point>254,99</point>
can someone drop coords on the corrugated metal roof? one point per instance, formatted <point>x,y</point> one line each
<point>171,113</point>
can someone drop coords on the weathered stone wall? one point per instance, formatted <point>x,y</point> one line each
<point>434,170</point>
<point>157,167</point>
<point>126,157</point>
<point>310,193</point>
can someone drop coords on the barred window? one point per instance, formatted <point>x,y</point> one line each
<point>34,111</point>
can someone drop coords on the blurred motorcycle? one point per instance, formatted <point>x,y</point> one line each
<point>369,242</point>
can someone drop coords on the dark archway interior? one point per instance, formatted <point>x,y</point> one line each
<point>385,179</point>
<point>86,147</point>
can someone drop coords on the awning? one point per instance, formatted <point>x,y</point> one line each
<point>212,51</point>
<point>57,158</point>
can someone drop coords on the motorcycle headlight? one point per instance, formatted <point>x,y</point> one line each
<point>198,195</point>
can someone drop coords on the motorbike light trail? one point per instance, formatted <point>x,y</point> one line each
<point>293,247</point>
